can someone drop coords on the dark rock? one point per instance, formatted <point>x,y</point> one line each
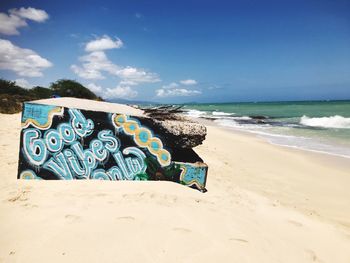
<point>182,133</point>
<point>176,130</point>
<point>258,117</point>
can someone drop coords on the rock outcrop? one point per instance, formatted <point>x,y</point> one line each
<point>178,131</point>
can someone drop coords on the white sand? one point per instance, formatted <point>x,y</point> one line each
<point>264,204</point>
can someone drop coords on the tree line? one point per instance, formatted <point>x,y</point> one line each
<point>12,95</point>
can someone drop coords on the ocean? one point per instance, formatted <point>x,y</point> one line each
<point>320,126</point>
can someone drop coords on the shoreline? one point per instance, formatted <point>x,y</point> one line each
<point>296,127</point>
<point>207,122</point>
<point>322,162</point>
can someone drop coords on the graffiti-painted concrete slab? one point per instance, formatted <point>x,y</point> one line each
<point>65,143</point>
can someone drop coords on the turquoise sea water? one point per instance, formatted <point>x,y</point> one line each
<point>322,126</point>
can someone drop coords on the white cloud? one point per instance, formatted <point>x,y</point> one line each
<point>175,90</point>
<point>30,13</point>
<point>103,43</point>
<point>172,85</point>
<point>188,82</point>
<point>121,91</point>
<point>9,23</point>
<point>95,88</point>
<point>23,83</point>
<point>86,73</point>
<point>124,92</point>
<point>95,63</point>
<point>135,76</point>
<point>24,62</point>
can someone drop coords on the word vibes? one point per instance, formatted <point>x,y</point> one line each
<point>59,151</point>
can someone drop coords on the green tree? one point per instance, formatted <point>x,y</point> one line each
<point>41,92</point>
<point>10,87</point>
<point>71,88</point>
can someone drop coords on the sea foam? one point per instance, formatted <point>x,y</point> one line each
<point>196,113</point>
<point>221,113</point>
<point>335,121</point>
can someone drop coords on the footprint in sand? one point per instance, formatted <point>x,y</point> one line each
<point>72,218</point>
<point>22,195</point>
<point>295,223</point>
<point>29,205</point>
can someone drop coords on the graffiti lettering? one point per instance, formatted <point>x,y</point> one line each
<point>34,147</point>
<point>81,126</point>
<point>75,162</point>
<point>59,165</point>
<point>127,167</point>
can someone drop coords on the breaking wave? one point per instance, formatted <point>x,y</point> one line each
<point>196,113</point>
<point>335,121</point>
<point>221,113</point>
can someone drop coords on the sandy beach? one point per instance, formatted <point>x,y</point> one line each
<point>265,203</point>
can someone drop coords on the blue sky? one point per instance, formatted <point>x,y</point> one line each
<point>181,51</point>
